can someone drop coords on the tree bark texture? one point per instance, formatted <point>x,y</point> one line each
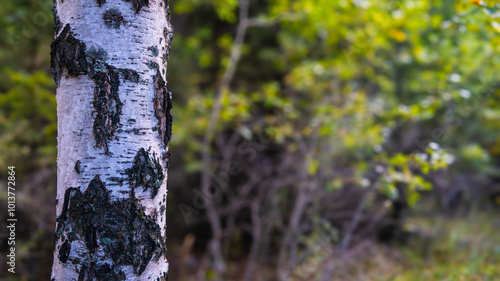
<point>109,60</point>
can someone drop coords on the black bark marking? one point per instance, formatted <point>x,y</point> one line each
<point>166,158</point>
<point>107,106</point>
<point>135,131</point>
<point>100,272</point>
<point>169,36</point>
<point>100,2</point>
<point>78,168</point>
<point>130,75</point>
<point>57,21</point>
<point>162,105</point>
<point>64,251</point>
<point>163,277</point>
<point>113,18</point>
<point>116,179</point>
<point>71,54</point>
<point>146,171</point>
<point>68,53</point>
<point>154,50</point>
<point>121,229</point>
<point>152,65</point>
<point>138,4</point>
<point>96,59</point>
<point>167,9</point>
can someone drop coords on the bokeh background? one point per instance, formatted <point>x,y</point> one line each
<point>351,139</point>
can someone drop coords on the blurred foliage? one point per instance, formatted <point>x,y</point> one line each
<point>457,249</point>
<point>28,132</point>
<point>406,86</point>
<point>28,122</point>
<point>460,249</point>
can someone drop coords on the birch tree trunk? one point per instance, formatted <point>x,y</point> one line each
<point>114,124</point>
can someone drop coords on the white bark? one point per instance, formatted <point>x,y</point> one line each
<point>80,159</point>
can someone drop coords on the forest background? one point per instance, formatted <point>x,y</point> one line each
<point>372,127</point>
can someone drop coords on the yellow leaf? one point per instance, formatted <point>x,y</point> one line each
<point>398,35</point>
<point>313,167</point>
<point>477,2</point>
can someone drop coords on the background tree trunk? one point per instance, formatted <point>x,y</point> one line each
<point>114,124</point>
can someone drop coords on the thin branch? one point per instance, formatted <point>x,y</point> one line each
<point>228,76</point>
<point>344,245</point>
<point>212,214</point>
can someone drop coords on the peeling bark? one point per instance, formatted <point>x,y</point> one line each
<point>114,124</point>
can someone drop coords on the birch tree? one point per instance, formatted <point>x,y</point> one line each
<point>109,60</point>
